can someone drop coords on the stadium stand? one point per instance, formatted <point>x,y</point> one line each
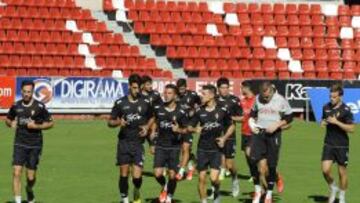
<point>57,38</point>
<point>249,40</point>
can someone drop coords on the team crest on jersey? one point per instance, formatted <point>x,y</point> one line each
<point>174,118</point>
<point>32,112</point>
<point>139,108</point>
<point>217,116</point>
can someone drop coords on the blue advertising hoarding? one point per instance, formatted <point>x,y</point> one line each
<point>75,92</point>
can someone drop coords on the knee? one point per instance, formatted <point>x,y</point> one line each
<point>17,173</point>
<point>263,170</point>
<point>326,171</point>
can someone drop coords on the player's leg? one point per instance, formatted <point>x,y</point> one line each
<point>124,182</point>
<point>202,166</point>
<point>258,161</point>
<point>230,151</point>
<point>326,170</point>
<point>343,178</point>
<point>328,157</point>
<point>20,155</point>
<point>342,160</point>
<point>215,183</point>
<point>202,186</point>
<point>137,182</point>
<point>123,161</point>
<point>185,157</point>
<point>137,169</point>
<point>31,166</point>
<point>272,157</point>
<point>30,183</point>
<point>173,162</point>
<point>171,185</point>
<point>17,172</point>
<point>159,166</point>
<point>222,168</point>
<point>215,164</point>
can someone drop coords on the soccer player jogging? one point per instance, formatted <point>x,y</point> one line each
<point>170,125</point>
<point>154,98</point>
<point>29,117</point>
<point>189,101</point>
<point>133,115</point>
<point>215,127</point>
<point>338,120</point>
<point>271,112</point>
<point>232,103</point>
<point>247,102</point>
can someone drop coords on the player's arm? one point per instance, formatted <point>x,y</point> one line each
<point>238,111</point>
<point>181,125</point>
<point>228,121</point>
<point>286,118</point>
<point>193,125</point>
<point>116,117</point>
<point>44,120</point>
<point>10,118</point>
<point>40,126</point>
<point>348,125</point>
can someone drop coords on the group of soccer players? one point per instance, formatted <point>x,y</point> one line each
<point>169,123</point>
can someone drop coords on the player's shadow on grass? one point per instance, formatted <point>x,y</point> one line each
<point>243,177</point>
<point>23,201</point>
<point>156,200</point>
<point>249,195</point>
<point>320,198</point>
<point>148,174</point>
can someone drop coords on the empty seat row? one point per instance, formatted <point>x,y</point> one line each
<point>41,61</point>
<point>40,36</point>
<point>54,72</point>
<point>130,63</point>
<point>115,50</point>
<point>42,3</point>
<point>279,75</point>
<point>268,65</point>
<point>38,48</point>
<point>45,13</point>
<point>254,19</point>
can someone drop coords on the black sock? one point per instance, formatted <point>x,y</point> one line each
<point>123,186</point>
<point>137,182</point>
<point>161,180</point>
<point>216,187</point>
<point>29,189</point>
<point>254,170</point>
<point>271,178</point>
<point>172,186</point>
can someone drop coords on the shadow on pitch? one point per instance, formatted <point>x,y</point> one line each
<point>320,198</point>
<point>156,200</point>
<point>248,197</point>
<point>23,201</point>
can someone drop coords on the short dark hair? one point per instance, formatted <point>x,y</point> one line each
<point>27,83</point>
<point>134,78</point>
<point>222,81</point>
<point>211,88</point>
<point>173,87</point>
<point>181,83</point>
<point>337,88</point>
<point>145,79</point>
<point>248,85</point>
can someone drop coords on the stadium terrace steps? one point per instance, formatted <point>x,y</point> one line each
<point>131,38</point>
<point>246,40</point>
<point>57,38</point>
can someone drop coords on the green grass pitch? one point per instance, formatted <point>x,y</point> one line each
<point>78,166</point>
